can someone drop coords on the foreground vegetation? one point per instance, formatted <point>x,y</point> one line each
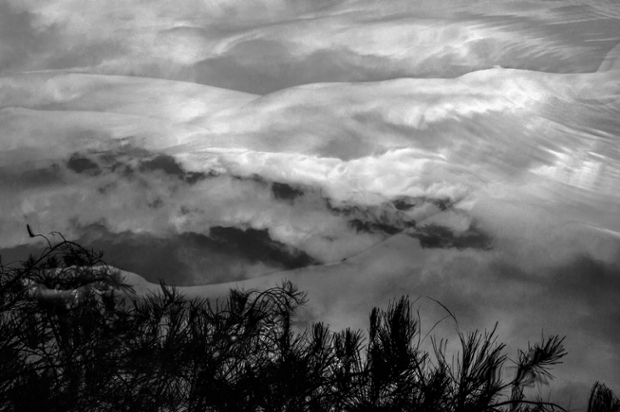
<point>72,338</point>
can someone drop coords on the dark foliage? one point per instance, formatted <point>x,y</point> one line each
<point>602,399</point>
<point>74,337</point>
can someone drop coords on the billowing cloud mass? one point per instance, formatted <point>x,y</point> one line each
<point>365,150</point>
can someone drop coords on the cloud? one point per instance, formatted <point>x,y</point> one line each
<point>169,166</point>
<point>18,39</point>
<point>272,45</point>
<point>225,253</point>
<point>136,191</point>
<point>221,255</point>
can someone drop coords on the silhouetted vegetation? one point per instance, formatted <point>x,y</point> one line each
<point>74,337</point>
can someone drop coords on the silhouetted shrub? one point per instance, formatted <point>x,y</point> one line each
<point>75,337</point>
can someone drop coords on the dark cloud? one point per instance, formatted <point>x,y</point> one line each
<point>165,163</point>
<point>258,246</point>
<point>124,161</point>
<point>25,44</point>
<point>226,253</point>
<point>18,39</point>
<point>130,160</point>
<point>169,165</point>
<point>262,66</point>
<point>283,191</point>
<point>435,236</point>
<point>593,288</point>
<point>82,164</point>
<point>29,177</point>
<point>151,257</point>
<point>85,55</point>
<point>573,394</point>
<point>374,227</point>
<point>408,202</point>
<point>391,218</point>
<point>577,299</point>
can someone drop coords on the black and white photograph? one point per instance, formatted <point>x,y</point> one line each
<point>310,205</point>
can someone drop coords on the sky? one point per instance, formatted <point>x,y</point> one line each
<point>467,152</point>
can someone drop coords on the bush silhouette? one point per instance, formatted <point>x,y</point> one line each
<point>75,337</point>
